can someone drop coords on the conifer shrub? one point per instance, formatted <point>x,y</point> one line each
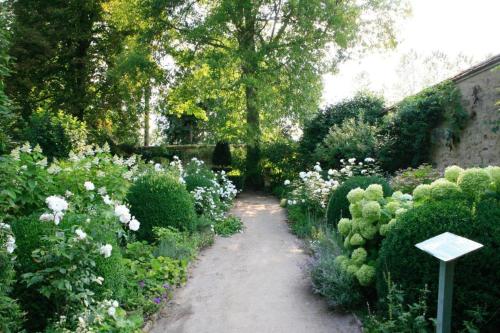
<point>158,200</point>
<point>221,156</point>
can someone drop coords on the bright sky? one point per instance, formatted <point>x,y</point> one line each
<point>470,27</point>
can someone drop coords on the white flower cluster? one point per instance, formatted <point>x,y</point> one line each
<point>106,250</point>
<point>313,187</point>
<point>10,241</point>
<point>204,201</point>
<point>58,206</point>
<point>227,190</point>
<point>123,214</point>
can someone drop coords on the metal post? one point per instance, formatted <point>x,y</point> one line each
<point>445,295</point>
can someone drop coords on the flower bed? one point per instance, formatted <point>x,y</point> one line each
<point>72,253</point>
<point>368,255</point>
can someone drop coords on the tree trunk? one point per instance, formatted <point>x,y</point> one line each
<point>249,68</point>
<point>147,98</point>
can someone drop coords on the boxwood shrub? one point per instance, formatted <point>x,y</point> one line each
<point>338,205</point>
<point>474,285</point>
<point>158,200</point>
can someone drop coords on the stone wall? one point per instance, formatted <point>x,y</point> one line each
<point>480,140</point>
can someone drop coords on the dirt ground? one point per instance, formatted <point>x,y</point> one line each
<point>252,282</point>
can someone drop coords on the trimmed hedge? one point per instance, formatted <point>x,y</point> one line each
<point>476,274</point>
<point>160,201</point>
<point>338,205</point>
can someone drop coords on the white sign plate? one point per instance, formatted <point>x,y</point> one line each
<point>448,246</point>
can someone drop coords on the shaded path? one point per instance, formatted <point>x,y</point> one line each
<point>252,282</point>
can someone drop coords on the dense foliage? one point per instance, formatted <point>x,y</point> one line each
<point>354,138</point>
<point>410,127</point>
<point>57,134</point>
<point>365,106</point>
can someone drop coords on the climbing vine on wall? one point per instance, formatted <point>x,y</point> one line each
<point>408,129</point>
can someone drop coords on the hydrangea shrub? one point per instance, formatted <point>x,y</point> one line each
<point>458,183</point>
<point>372,218</point>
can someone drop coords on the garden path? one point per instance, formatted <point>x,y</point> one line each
<point>252,282</point>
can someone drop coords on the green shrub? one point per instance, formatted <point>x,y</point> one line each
<point>228,226</point>
<point>174,244</point>
<point>197,180</point>
<point>331,280</point>
<point>57,134</point>
<point>160,201</point>
<point>414,269</point>
<point>301,221</point>
<point>370,107</point>
<point>29,231</point>
<point>400,316</point>
<point>221,156</point>
<point>338,206</point>
<point>353,138</point>
<point>407,180</point>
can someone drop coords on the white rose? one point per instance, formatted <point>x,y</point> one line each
<point>287,182</point>
<point>56,203</point>
<point>134,225</point>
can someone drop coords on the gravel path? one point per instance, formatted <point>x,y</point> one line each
<point>252,282</point>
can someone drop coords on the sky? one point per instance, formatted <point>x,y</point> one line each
<point>469,27</point>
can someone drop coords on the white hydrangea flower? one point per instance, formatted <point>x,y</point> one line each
<point>317,167</point>
<point>81,235</point>
<point>37,149</point>
<point>56,203</point>
<point>43,162</point>
<point>105,250</point>
<point>89,186</point>
<point>105,148</point>
<point>15,154</point>
<point>26,148</point>
<point>134,225</point>
<point>54,169</point>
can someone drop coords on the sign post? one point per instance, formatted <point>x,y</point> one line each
<point>447,247</point>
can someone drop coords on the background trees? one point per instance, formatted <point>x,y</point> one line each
<point>244,71</point>
<point>275,53</point>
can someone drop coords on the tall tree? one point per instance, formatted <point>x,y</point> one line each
<point>280,50</point>
<point>52,45</point>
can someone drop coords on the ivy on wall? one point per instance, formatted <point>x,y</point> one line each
<point>408,129</point>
